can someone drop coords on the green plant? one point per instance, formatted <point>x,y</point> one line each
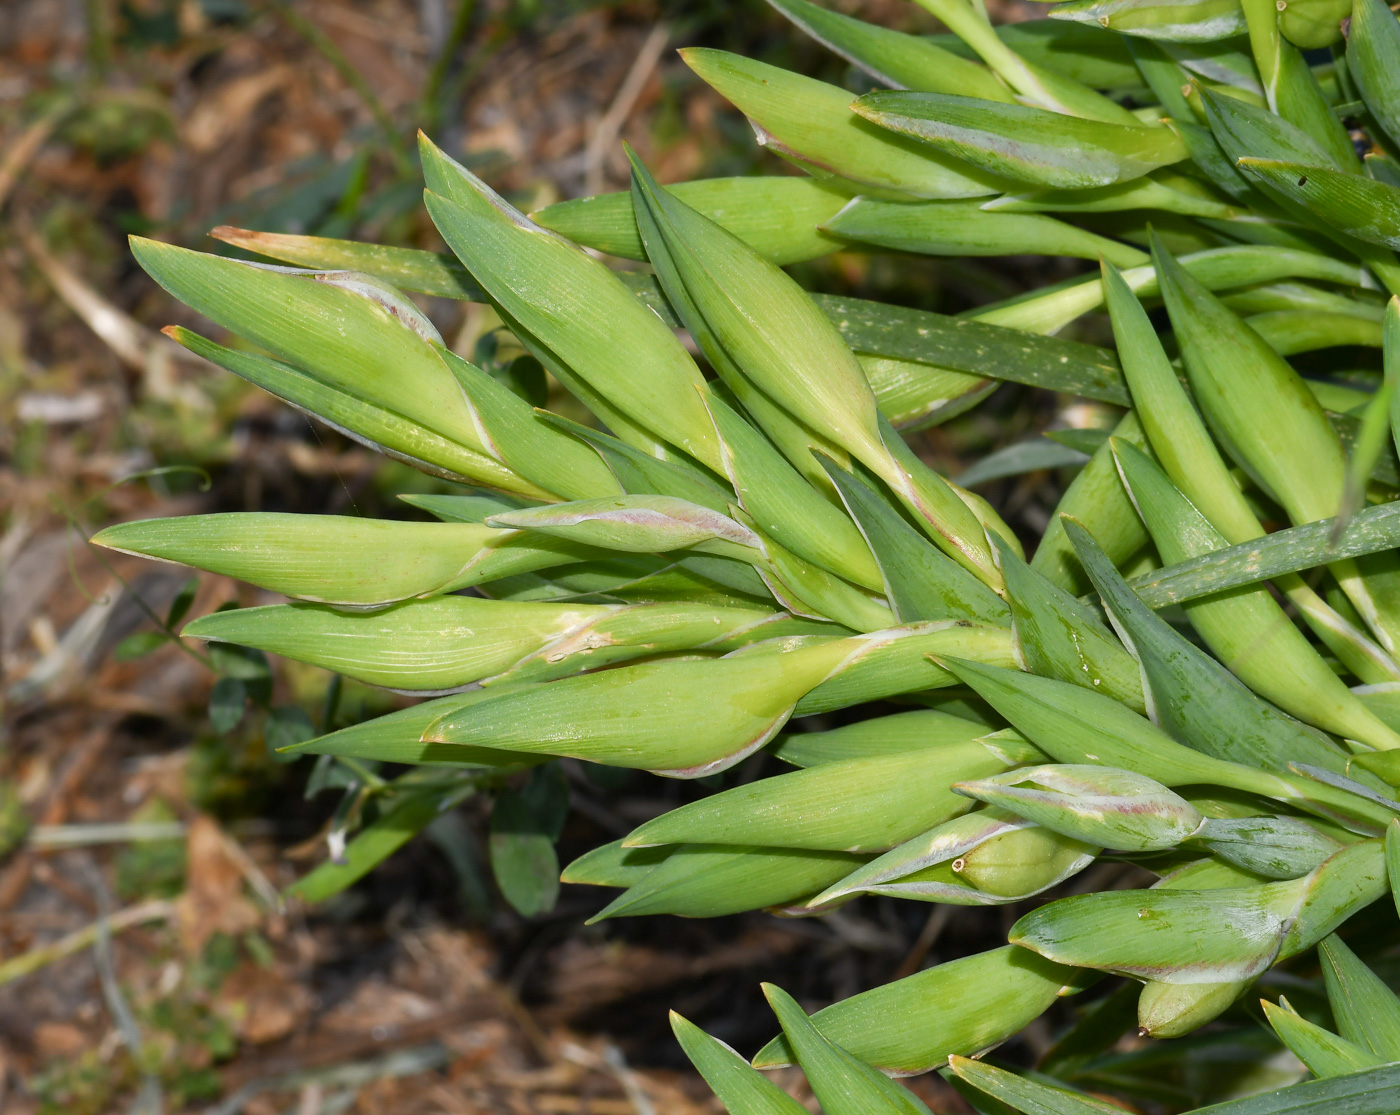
<point>756,542</point>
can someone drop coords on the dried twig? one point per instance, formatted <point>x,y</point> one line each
<point>32,961</point>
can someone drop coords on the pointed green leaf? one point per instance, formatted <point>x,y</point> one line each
<point>343,337</point>
<point>900,61</point>
<point>573,306</point>
<point>1367,1012</point>
<point>880,735</point>
<point>371,846</point>
<point>385,431</point>
<point>844,1084</point>
<point>1238,625</point>
<point>779,218</point>
<point>965,228</point>
<point>612,865</point>
<point>1324,1053</point>
<point>1095,498</point>
<point>1182,21</point>
<point>687,718</point>
<point>697,881</point>
<point>1025,144</point>
<point>1373,59</point>
<point>1058,636</point>
<point>1026,1095</point>
<point>921,582</point>
<point>435,273</point>
<point>1191,696</point>
<point>341,560</point>
<point>741,1089</point>
<point>513,433</point>
<point>1111,808</point>
<point>785,506</point>
<point>435,644</point>
<point>1351,203</point>
<point>636,524</point>
<point>912,1025</point>
<point>810,123</point>
<point>855,805</point>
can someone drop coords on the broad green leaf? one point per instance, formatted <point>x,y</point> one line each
<point>574,312</point>
<point>375,843</point>
<point>1182,21</point>
<point>138,645</point>
<point>687,718</point>
<point>1373,60</point>
<point>779,218</point>
<point>810,123</point>
<point>1367,1012</point>
<point>921,582</point>
<point>356,339</point>
<point>881,735</point>
<point>1324,1053</point>
<point>1057,636</point>
<point>1351,203</point>
<point>965,228</point>
<point>913,1024</point>
<point>1025,144</point>
<point>844,1084</point>
<point>696,881</point>
<point>856,805</point>
<point>522,851</point>
<point>1190,695</point>
<point>741,1089</point>
<point>900,61</point>
<point>1026,1095</point>
<point>914,394</point>
<point>341,560</point>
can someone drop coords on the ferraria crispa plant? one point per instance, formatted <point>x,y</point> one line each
<point>744,538</point>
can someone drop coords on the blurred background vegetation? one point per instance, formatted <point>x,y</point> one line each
<point>138,786</point>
